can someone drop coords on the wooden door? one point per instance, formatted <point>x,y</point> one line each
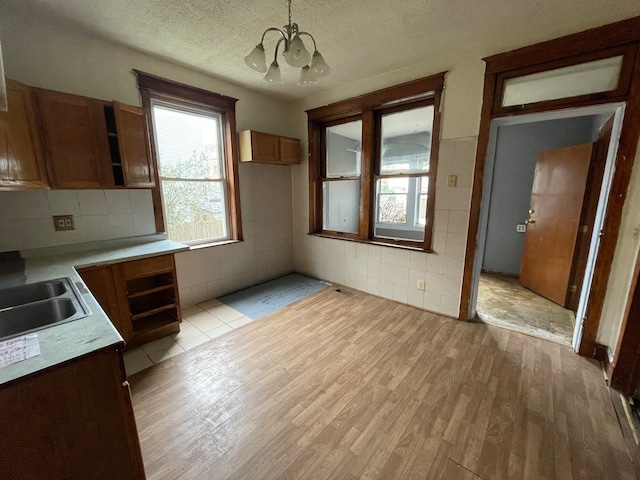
<point>554,218</point>
<point>77,149</point>
<point>22,164</point>
<point>134,146</point>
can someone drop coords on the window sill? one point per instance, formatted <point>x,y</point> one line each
<point>213,244</point>
<point>373,242</point>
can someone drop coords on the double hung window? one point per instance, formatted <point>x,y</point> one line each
<point>195,149</point>
<point>373,165</point>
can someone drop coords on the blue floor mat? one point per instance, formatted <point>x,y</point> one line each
<point>260,300</point>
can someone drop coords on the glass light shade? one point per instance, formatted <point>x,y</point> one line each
<point>306,76</point>
<point>297,55</point>
<point>274,75</point>
<point>256,59</point>
<point>319,66</point>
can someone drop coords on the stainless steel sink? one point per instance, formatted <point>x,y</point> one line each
<point>32,292</point>
<point>35,306</point>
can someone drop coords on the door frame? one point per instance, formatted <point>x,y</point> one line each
<point>616,109</point>
<point>549,55</point>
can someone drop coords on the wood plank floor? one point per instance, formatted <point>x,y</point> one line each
<point>354,387</point>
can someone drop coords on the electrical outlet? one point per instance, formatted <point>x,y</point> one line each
<point>420,284</point>
<point>452,180</point>
<point>521,228</point>
<point>63,222</point>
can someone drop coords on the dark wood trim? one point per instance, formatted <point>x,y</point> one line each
<point>625,375</point>
<point>369,109</point>
<point>180,91</point>
<point>627,146</point>
<point>233,177</point>
<point>476,196</point>
<point>156,194</point>
<point>611,35</point>
<point>408,92</point>
<point>628,53</point>
<point>593,40</point>
<point>433,171</point>
<point>367,169</point>
<point>153,87</point>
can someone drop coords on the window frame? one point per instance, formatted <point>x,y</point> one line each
<point>157,90</point>
<point>370,108</point>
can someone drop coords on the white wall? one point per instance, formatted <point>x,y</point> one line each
<point>25,217</point>
<point>38,53</point>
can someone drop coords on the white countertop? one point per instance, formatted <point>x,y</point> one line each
<point>64,342</point>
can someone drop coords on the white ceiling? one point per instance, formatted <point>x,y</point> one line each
<point>359,39</point>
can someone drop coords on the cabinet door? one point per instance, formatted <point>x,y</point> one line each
<point>265,148</point>
<point>74,421</point>
<point>77,149</point>
<point>134,146</point>
<point>22,163</point>
<point>289,150</point>
<point>103,283</point>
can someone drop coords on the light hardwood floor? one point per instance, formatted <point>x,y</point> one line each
<point>351,387</point>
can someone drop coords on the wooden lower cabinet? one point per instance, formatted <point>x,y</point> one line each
<point>73,421</point>
<point>140,297</point>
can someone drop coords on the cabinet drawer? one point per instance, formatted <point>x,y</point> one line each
<point>148,266</point>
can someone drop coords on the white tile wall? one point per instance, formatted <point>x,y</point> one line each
<point>267,249</point>
<point>26,216</point>
<point>392,272</point>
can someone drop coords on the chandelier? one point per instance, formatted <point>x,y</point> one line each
<point>295,54</point>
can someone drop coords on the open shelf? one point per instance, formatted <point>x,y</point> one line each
<point>150,323</point>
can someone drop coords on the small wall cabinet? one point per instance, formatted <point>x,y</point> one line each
<point>22,164</point>
<point>262,147</point>
<point>95,144</point>
<point>72,421</point>
<point>140,297</point>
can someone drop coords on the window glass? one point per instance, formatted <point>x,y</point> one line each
<point>192,175</point>
<point>343,148</point>
<point>401,208</point>
<point>341,205</point>
<point>405,142</point>
<point>572,81</point>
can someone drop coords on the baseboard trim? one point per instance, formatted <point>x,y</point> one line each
<point>601,354</point>
<point>499,274</point>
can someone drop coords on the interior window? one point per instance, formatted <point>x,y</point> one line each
<point>373,165</point>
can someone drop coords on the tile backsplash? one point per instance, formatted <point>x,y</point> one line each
<point>26,216</point>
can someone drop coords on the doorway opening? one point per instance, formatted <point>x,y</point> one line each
<point>547,178</point>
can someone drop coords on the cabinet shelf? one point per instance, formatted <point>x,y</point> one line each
<point>153,311</point>
<point>149,291</point>
<point>152,322</point>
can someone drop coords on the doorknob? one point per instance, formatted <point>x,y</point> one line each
<point>531,211</point>
<point>529,221</point>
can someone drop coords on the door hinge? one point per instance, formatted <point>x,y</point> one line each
<point>573,288</point>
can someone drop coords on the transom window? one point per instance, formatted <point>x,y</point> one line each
<point>372,169</point>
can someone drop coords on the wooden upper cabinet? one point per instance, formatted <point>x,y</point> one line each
<point>22,164</point>
<point>93,143</point>
<point>133,139</point>
<point>262,147</point>
<point>77,157</point>
<point>289,150</point>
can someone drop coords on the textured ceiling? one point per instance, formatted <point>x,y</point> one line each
<point>359,39</point>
